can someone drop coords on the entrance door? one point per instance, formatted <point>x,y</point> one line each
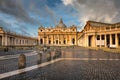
<point>41,41</point>
<point>0,40</point>
<point>119,39</point>
<point>73,41</point>
<point>56,41</point>
<point>108,40</point>
<point>89,41</point>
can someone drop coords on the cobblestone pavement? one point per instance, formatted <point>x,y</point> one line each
<point>13,52</point>
<point>69,69</point>
<point>12,64</point>
<point>74,70</point>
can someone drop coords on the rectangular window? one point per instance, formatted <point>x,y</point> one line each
<point>102,37</point>
<point>113,27</point>
<point>98,37</point>
<point>107,28</point>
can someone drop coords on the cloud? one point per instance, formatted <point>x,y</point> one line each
<point>97,10</point>
<point>41,9</point>
<point>16,9</point>
<point>67,2</point>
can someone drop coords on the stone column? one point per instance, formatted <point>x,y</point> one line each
<point>51,39</point>
<point>3,38</point>
<point>86,40</point>
<point>6,42</point>
<point>100,41</point>
<point>116,40</point>
<point>94,41</point>
<point>110,39</point>
<point>105,41</point>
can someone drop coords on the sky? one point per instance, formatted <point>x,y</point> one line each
<point>26,16</point>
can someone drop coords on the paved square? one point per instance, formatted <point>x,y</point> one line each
<point>77,64</point>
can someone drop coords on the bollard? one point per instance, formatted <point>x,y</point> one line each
<point>39,58</point>
<point>55,55</point>
<point>58,53</point>
<point>22,61</point>
<point>49,56</point>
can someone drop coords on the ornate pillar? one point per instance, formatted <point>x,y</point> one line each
<point>116,40</point>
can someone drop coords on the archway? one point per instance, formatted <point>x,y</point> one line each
<point>89,41</point>
<point>56,41</point>
<point>41,41</point>
<point>64,41</point>
<point>73,41</point>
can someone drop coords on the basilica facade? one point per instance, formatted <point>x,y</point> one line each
<point>94,34</point>
<point>60,35</point>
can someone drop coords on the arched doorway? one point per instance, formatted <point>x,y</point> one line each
<point>64,41</point>
<point>41,41</point>
<point>90,41</point>
<point>73,41</point>
<point>49,41</point>
<point>56,41</point>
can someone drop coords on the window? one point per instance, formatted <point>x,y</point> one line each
<point>59,42</point>
<point>98,37</point>
<point>113,27</point>
<point>107,28</point>
<point>103,37</point>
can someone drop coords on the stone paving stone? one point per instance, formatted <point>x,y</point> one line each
<point>69,70</point>
<point>12,64</point>
<point>13,52</point>
<point>74,70</point>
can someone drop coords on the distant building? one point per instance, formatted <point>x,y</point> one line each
<point>60,35</point>
<point>13,39</point>
<point>97,34</point>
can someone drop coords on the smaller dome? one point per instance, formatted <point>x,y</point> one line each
<point>41,27</point>
<point>61,24</point>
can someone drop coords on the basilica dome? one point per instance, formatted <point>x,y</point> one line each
<point>61,24</point>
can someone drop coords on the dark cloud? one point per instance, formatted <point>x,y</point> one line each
<point>41,9</point>
<point>98,10</point>
<point>19,29</point>
<point>16,9</point>
<point>5,25</point>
